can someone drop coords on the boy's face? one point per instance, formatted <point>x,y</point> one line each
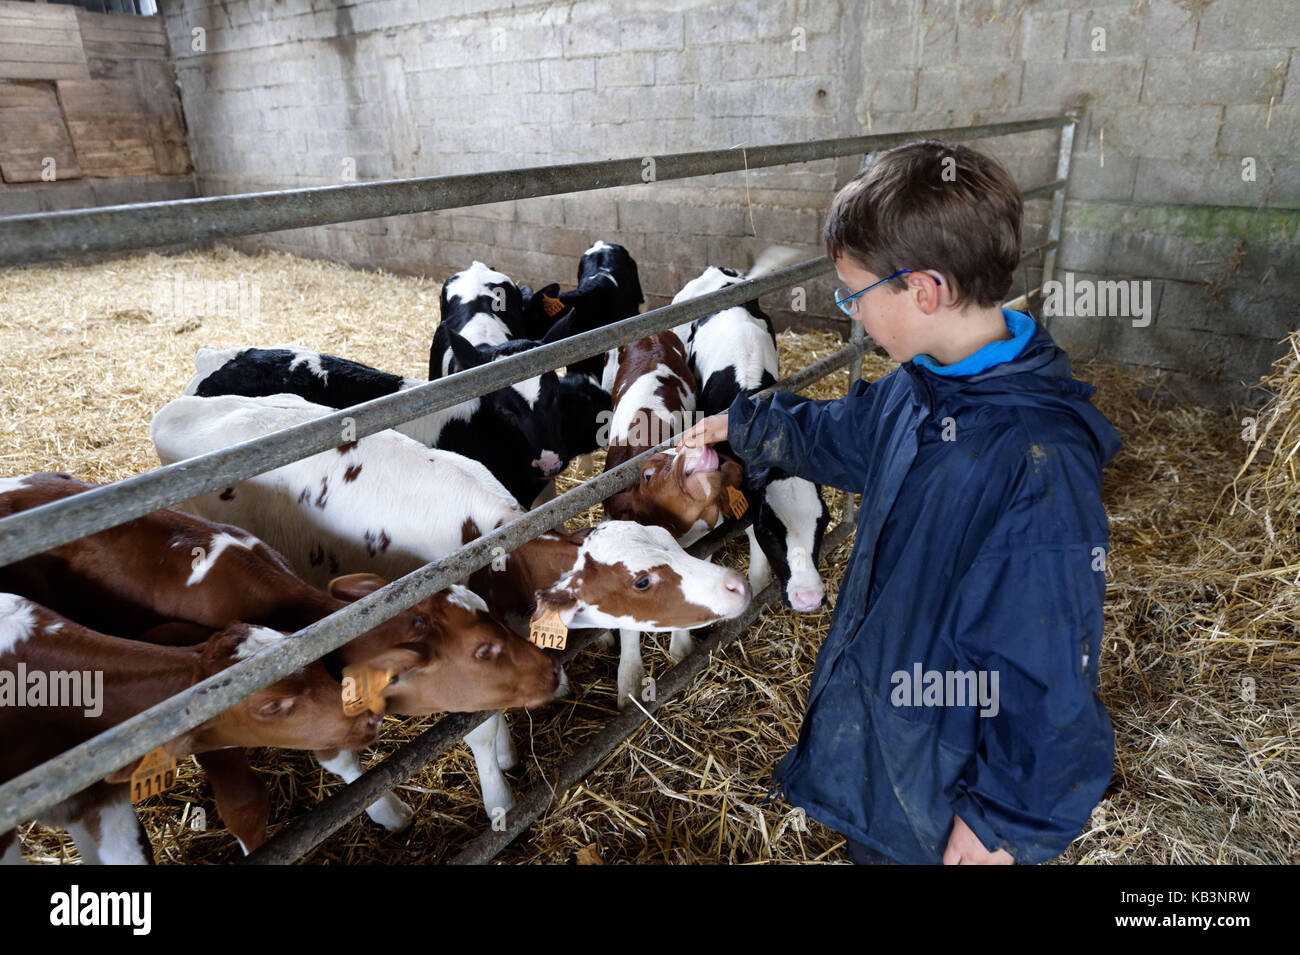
<point>892,318</point>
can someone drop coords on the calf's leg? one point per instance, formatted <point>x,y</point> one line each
<point>680,645</point>
<point>109,833</point>
<point>631,671</point>
<point>241,797</point>
<point>482,741</point>
<point>760,571</point>
<point>389,811</point>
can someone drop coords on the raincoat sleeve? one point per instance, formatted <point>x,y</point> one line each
<point>1042,761</point>
<point>826,442</point>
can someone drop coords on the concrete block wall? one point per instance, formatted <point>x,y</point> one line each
<point>281,93</point>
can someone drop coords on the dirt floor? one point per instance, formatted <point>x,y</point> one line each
<point>1202,774</point>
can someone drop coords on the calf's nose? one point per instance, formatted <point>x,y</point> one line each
<point>736,583</point>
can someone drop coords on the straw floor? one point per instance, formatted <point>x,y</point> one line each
<point>1202,597</point>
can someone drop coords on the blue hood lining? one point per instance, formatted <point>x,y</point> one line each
<point>1022,327</point>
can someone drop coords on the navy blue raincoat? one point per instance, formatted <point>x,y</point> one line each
<point>980,549</point>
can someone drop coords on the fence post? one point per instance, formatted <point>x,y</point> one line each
<point>1058,199</point>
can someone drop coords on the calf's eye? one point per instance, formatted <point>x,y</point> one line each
<point>642,582</point>
<point>487,651</point>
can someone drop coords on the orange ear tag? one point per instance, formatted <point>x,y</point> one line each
<point>155,774</point>
<point>548,631</point>
<point>735,505</point>
<point>551,306</point>
<point>363,689</point>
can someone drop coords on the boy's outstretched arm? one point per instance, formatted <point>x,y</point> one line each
<point>1032,615</point>
<point>826,442</point>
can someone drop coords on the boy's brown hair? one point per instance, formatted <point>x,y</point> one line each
<point>932,206</point>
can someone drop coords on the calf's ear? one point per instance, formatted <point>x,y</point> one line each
<point>562,329</point>
<point>352,587</point>
<point>467,356</point>
<point>558,602</point>
<point>177,748</point>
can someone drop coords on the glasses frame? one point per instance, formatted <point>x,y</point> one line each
<point>843,300</point>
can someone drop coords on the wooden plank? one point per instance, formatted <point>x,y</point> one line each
<point>43,71</point>
<point>93,99</point>
<point>27,136</point>
<point>20,95</point>
<point>171,153</point>
<point>41,35</point>
<point>113,68</point>
<point>22,53</point>
<point>155,81</point>
<point>38,13</point>
<point>152,24</point>
<point>131,50</point>
<point>114,147</point>
<point>151,38</point>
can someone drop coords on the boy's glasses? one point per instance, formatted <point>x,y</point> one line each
<point>845,299</point>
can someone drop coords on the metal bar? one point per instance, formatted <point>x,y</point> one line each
<point>1064,152</point>
<point>34,531</point>
<point>56,779</point>
<point>1038,249</point>
<point>574,769</point>
<point>1038,192</point>
<point>857,336</point>
<point>45,236</point>
<point>304,834</point>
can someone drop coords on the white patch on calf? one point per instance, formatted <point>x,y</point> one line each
<point>17,621</point>
<point>205,563</point>
<point>256,640</point>
<point>734,339</point>
<point>642,397</point>
<point>474,281</point>
<point>482,741</point>
<point>466,599</point>
<point>13,484</point>
<point>389,811</point>
<point>796,505</point>
<point>302,356</point>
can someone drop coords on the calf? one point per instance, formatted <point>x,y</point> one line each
<point>481,305</point>
<point>564,411</point>
<point>388,505</point>
<point>734,352</point>
<point>444,653</point>
<point>299,711</point>
<point>499,429</point>
<point>686,493</point>
<point>609,290</point>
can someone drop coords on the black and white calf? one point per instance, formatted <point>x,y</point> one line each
<point>500,429</point>
<point>483,320</point>
<point>609,290</point>
<point>482,305</point>
<point>733,352</point>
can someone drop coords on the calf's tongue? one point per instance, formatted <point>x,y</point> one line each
<point>701,459</point>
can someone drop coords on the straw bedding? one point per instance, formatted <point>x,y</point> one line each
<point>1203,598</point>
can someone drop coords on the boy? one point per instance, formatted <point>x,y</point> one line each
<point>953,715</point>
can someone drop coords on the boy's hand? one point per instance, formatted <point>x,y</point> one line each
<point>710,430</point>
<point>965,848</point>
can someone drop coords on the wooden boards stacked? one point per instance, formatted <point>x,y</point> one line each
<point>93,92</point>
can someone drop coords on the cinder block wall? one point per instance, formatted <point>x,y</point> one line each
<point>282,93</point>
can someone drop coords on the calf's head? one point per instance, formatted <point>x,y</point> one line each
<point>303,710</point>
<point>449,654</point>
<point>683,491</point>
<point>634,576</point>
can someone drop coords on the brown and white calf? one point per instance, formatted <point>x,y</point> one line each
<point>445,653</point>
<point>300,711</point>
<point>387,504</point>
<point>654,395</point>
